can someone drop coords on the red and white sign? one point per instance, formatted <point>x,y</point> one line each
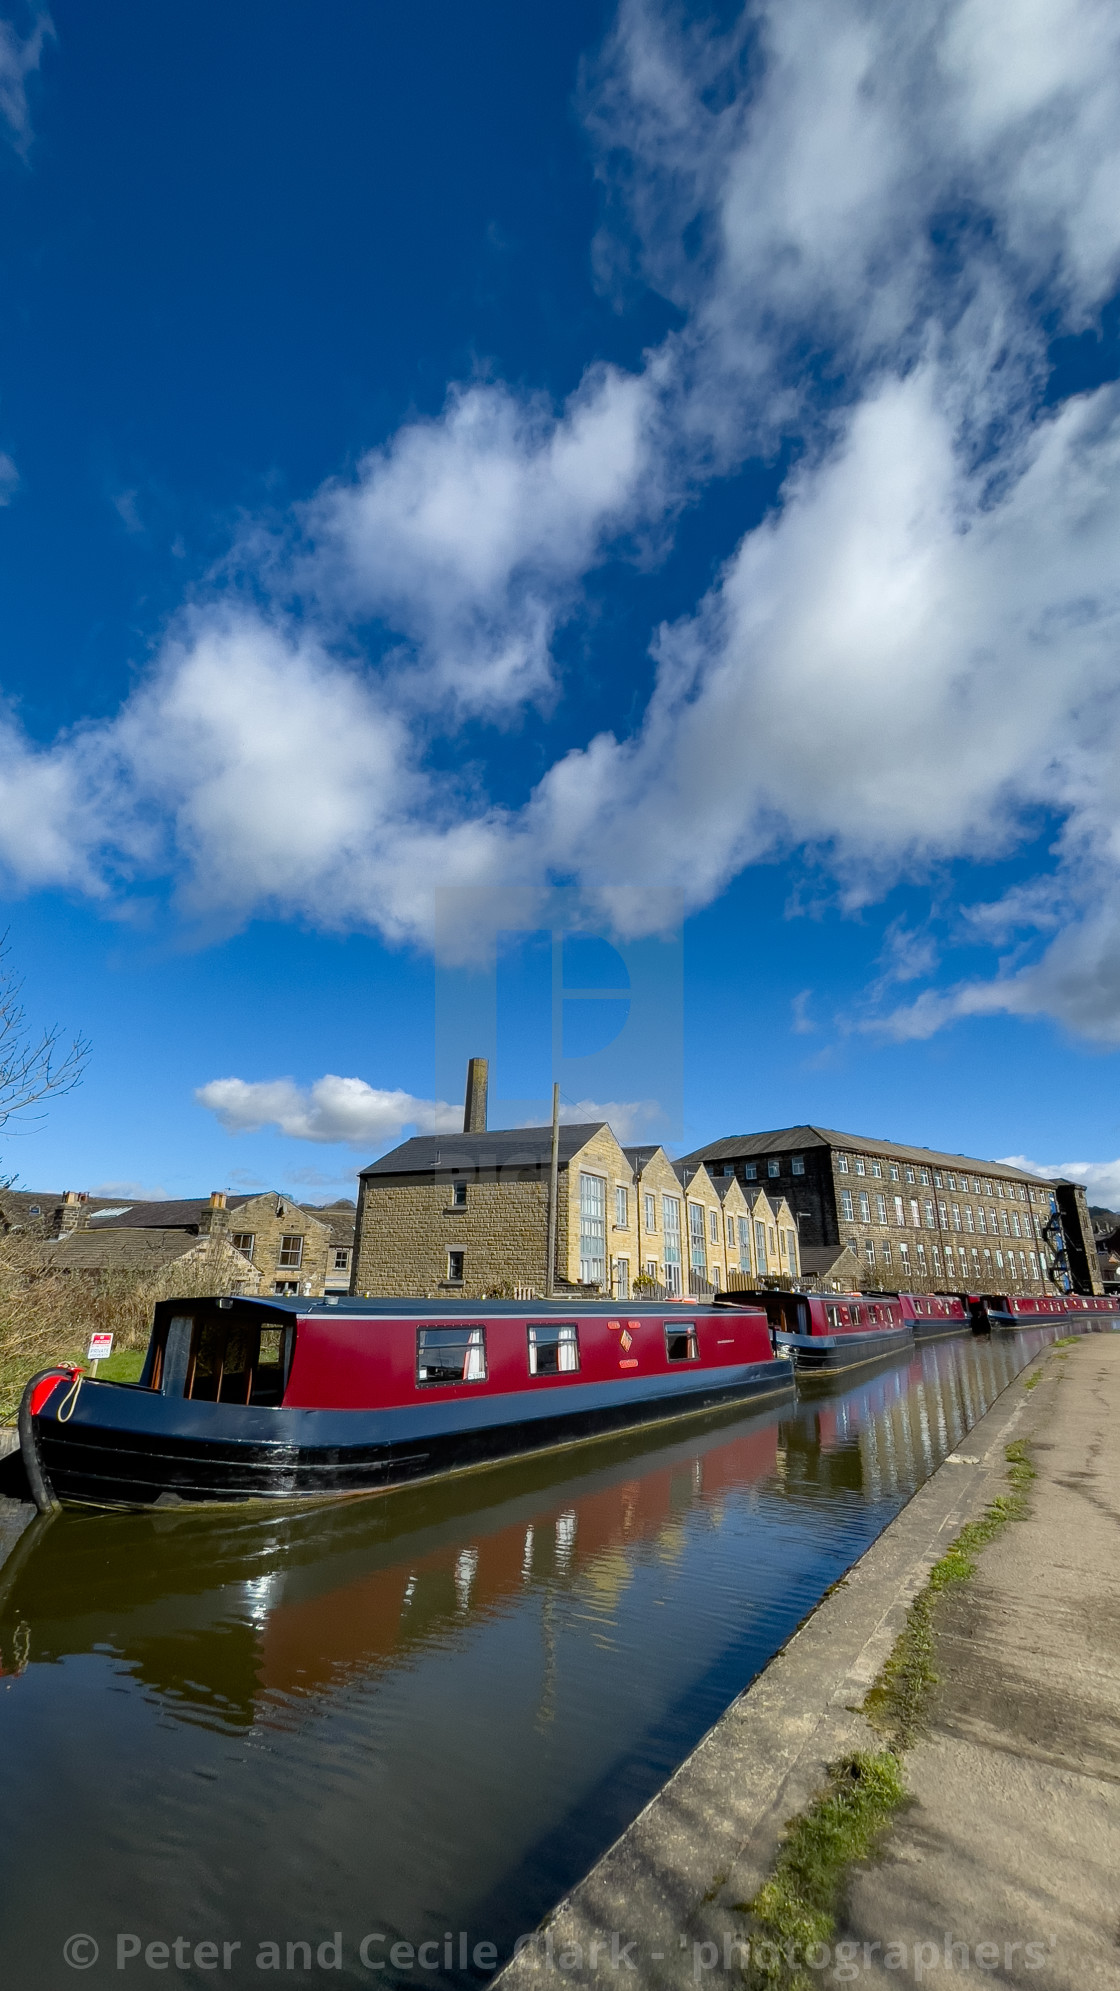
<point>100,1347</point>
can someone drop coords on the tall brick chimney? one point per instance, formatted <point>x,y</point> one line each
<point>474,1111</point>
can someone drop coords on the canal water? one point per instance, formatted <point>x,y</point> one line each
<point>415,1719</point>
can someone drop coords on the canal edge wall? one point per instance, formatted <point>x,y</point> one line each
<point>708,1838</point>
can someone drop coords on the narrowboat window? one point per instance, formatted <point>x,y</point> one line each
<point>458,1195</point>
<point>553,1351</point>
<point>680,1341</point>
<point>833,1316</point>
<point>450,1355</point>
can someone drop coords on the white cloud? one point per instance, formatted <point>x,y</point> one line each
<point>349,1110</point>
<point>19,58</point>
<point>332,1109</point>
<point>1101,1179</point>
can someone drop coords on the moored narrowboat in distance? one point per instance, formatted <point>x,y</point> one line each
<point>832,1332</point>
<point>934,1314</point>
<point>280,1399</point>
<point>1012,1312</point>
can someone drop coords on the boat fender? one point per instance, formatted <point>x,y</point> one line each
<point>34,1397</point>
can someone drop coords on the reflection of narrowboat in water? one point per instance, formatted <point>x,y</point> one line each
<point>349,1589</point>
<point>827,1333</point>
<point>245,1399</point>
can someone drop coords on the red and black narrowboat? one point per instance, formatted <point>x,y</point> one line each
<point>822,1331</point>
<point>934,1314</point>
<point>1083,1312</point>
<point>243,1399</point>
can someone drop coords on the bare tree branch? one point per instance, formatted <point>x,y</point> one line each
<point>33,1067</point>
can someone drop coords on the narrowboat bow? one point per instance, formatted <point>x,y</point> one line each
<point>244,1399</point>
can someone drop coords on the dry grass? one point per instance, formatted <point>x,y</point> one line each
<point>47,1315</point>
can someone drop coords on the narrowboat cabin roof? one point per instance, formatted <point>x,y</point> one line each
<point>422,1309</point>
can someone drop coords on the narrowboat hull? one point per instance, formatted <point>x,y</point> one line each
<point>833,1353</point>
<point>938,1330</point>
<point>123,1446</point>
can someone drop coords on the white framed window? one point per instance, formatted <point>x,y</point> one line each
<point>864,1207</point>
<point>869,1250</point>
<point>1016,1227</point>
<point>622,1207</point>
<point>999,1260</point>
<point>976,1260</point>
<point>956,1215</point>
<point>697,1249</point>
<point>881,1209</point>
<point>680,1341</point>
<point>553,1350</point>
<point>797,1165</point>
<point>842,1164</point>
<point>450,1355</point>
<point>937,1178</point>
<point>899,1211</point>
<point>887,1251</point>
<point>931,1215</point>
<point>245,1242</point>
<point>847,1207</point>
<point>620,1282</point>
<point>937,1259</point>
<point>876,1167</point>
<point>671,1227</point>
<point>904,1255</point>
<point>773,1168</point>
<point>649,1204</point>
<point>861,1165</point>
<point>760,1244</point>
<point>341,1258</point>
<point>969,1223</point>
<point>291,1252</point>
<point>713,1226</point>
<point>592,1230</point>
<point>923,1177</point>
<point>909,1173</point>
<point>745,1243</point>
<point>915,1214</point>
<point>921,1251</point>
<point>731,1232</point>
<point>1034,1266</point>
<point>987,1261</point>
<point>458,1195</point>
<point>750,1171</point>
<point>894,1171</point>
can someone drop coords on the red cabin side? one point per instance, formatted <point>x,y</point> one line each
<point>347,1363</point>
<point>853,1316</point>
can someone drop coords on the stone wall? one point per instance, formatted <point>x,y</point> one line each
<point>268,1219</point>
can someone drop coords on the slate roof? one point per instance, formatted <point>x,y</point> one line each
<point>123,1250</point>
<point>513,1147</point>
<point>823,1261</point>
<point>180,1213</point>
<point>339,1218</point>
<point>782,1140</point>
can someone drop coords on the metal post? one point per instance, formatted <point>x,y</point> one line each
<point>553,1194</point>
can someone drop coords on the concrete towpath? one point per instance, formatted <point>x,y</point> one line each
<point>1005,1864</point>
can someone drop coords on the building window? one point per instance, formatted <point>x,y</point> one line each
<point>456,1261</point>
<point>744,1244</point>
<point>287,1288</point>
<point>956,1214</point>
<point>869,1249</point>
<point>976,1260</point>
<point>773,1168</point>
<point>904,1255</point>
<point>450,1354</point>
<point>937,1259</point>
<point>909,1173</point>
<point>915,1214</point>
<point>750,1172</point>
<point>341,1258</point>
<point>1006,1222</point>
<point>650,1206</point>
<point>592,1230</point>
<point>458,1195</point>
<point>888,1254</point>
<point>622,1207</point>
<point>899,1211</point>
<point>621,1281</point>
<point>697,1251</point>
<point>861,1165</point>
<point>651,1270</point>
<point>671,1225</point>
<point>1034,1266</point>
<point>921,1250</point>
<point>999,1260</point>
<point>968,1218</point>
<point>923,1177</point>
<point>291,1252</point>
<point>760,1245</point>
<point>1016,1228</point>
<point>731,1232</point>
<point>791,1249</point>
<point>680,1341</point>
<point>937,1178</point>
<point>894,1171</point>
<point>931,1216</point>
<point>881,1209</point>
<point>987,1261</point>
<point>842,1164</point>
<point>713,1226</point>
<point>244,1242</point>
<point>770,1228</point>
<point>797,1165</point>
<point>847,1208</point>
<point>876,1168</point>
<point>554,1351</point>
<point>864,1207</point>
<point>999,1187</point>
<point>950,1180</point>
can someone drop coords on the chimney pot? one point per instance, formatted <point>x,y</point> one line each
<point>217,1199</point>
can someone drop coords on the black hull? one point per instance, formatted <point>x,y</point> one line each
<point>131,1448</point>
<point>833,1354</point>
<point>939,1330</point>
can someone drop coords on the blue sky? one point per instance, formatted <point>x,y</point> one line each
<point>665,454</point>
